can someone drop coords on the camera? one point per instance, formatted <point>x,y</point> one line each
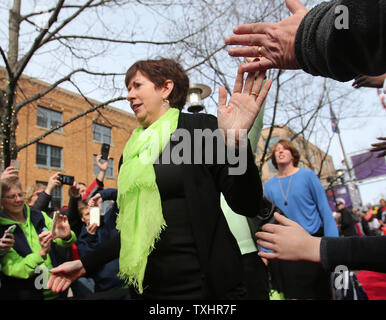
<point>66,179</point>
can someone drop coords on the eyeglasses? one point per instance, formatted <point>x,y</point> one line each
<point>14,196</point>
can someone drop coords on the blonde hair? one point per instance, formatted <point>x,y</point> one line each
<point>31,190</point>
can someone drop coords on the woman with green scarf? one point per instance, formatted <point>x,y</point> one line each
<point>174,241</point>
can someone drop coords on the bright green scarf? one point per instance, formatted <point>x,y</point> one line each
<point>140,220</point>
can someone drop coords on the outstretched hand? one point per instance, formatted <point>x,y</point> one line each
<point>380,146</point>
<point>65,274</point>
<point>62,227</point>
<point>271,44</point>
<point>369,82</point>
<point>244,105</point>
<point>288,241</point>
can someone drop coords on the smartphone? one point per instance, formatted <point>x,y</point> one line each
<point>11,229</point>
<point>95,216</point>
<point>105,149</point>
<point>15,164</point>
<point>66,179</point>
<point>54,221</point>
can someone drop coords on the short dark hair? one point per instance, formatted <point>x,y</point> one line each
<point>158,71</point>
<point>288,145</point>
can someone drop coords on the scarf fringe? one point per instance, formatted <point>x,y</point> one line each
<point>133,279</point>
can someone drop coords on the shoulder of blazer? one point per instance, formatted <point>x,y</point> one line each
<point>191,121</point>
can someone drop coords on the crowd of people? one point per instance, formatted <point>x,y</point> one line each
<point>165,235</point>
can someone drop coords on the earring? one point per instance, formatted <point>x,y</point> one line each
<point>166,103</point>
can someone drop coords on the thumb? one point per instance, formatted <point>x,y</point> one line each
<point>283,220</point>
<point>295,5</point>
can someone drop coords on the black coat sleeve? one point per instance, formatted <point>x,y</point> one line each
<point>235,174</point>
<point>42,202</point>
<point>356,253</point>
<point>324,47</point>
<point>107,252</point>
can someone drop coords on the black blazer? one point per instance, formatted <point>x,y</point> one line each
<point>218,251</point>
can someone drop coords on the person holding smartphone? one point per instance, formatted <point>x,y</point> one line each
<point>6,243</point>
<point>34,249</point>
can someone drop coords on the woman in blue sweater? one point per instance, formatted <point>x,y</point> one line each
<point>300,195</point>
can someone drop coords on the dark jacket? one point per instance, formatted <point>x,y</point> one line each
<point>323,48</point>
<point>356,253</point>
<point>347,223</point>
<point>106,278</point>
<point>218,252</point>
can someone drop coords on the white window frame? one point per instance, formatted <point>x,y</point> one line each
<point>50,115</point>
<point>48,155</point>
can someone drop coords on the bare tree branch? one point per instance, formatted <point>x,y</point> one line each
<point>56,84</point>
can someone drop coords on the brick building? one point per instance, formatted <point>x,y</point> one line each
<point>72,149</point>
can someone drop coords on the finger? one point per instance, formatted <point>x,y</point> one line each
<point>63,284</point>
<point>54,284</point>
<point>266,236</point>
<point>252,51</point>
<point>381,138</point>
<point>238,87</point>
<point>222,96</point>
<point>251,39</point>
<point>295,5</point>
<point>258,82</point>
<point>266,245</point>
<point>249,83</point>
<point>284,221</point>
<point>256,28</point>
<point>267,255</point>
<point>264,92</point>
<point>261,64</point>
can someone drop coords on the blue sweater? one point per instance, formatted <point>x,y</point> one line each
<point>306,203</point>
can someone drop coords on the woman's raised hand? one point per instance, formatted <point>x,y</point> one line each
<point>243,107</point>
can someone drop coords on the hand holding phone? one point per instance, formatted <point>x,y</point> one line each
<point>105,149</point>
<point>54,222</point>
<point>95,215</point>
<point>15,163</point>
<point>66,179</point>
<point>11,229</point>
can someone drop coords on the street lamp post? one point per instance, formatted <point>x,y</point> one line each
<point>197,92</point>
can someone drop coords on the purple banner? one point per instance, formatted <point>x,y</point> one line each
<point>336,194</point>
<point>366,165</point>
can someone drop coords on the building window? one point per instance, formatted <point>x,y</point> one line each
<point>101,133</point>
<point>110,168</point>
<point>56,196</point>
<point>48,118</point>
<point>47,155</point>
